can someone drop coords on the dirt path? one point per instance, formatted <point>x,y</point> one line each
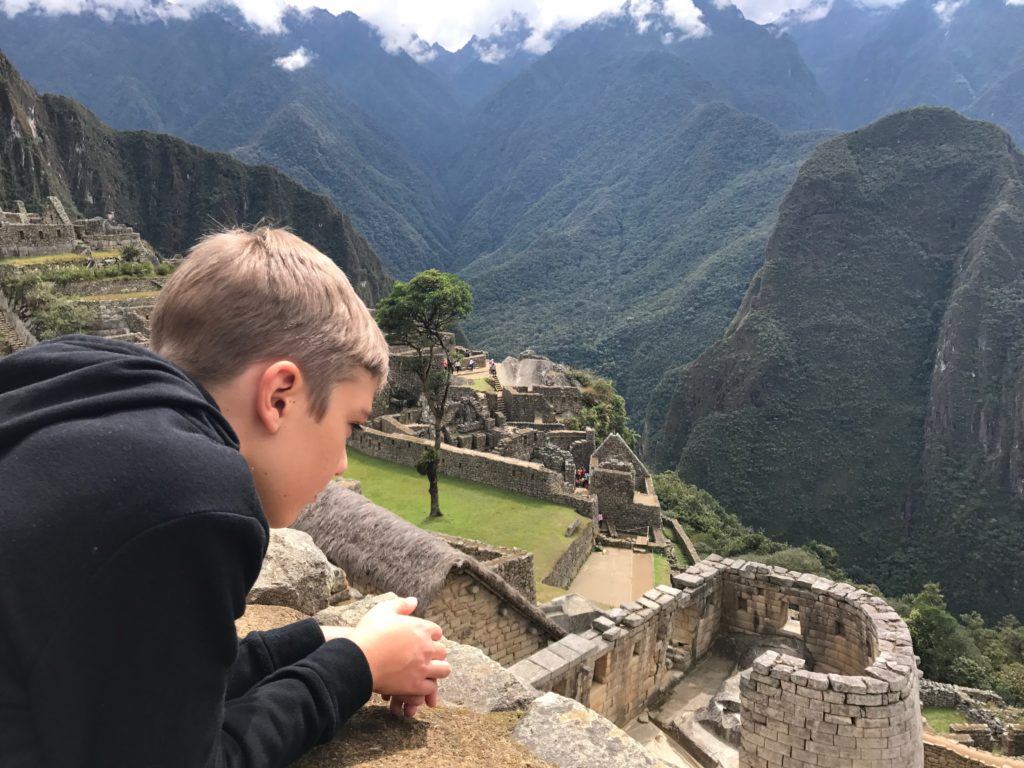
<point>615,576</point>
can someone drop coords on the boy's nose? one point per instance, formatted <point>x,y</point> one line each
<point>342,463</point>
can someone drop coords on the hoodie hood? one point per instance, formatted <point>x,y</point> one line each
<point>81,377</point>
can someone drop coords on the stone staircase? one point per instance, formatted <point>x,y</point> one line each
<point>502,408</point>
<point>9,341</point>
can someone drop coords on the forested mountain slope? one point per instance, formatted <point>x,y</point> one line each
<point>171,191</point>
<point>870,391</point>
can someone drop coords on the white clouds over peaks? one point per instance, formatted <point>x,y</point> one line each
<point>410,25</point>
<point>297,59</point>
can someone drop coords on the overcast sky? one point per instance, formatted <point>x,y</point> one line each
<point>413,24</point>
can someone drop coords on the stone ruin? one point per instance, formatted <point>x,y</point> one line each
<point>850,701</point>
<point>520,420</point>
<point>827,677</point>
<point>51,230</point>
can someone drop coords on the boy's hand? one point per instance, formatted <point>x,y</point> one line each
<point>405,655</point>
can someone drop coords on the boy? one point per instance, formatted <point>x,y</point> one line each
<point>136,490</point>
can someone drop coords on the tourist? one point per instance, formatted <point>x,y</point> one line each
<point>493,367</point>
<point>472,364</point>
<point>458,366</point>
<point>139,488</point>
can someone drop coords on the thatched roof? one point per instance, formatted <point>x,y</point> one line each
<point>380,550</point>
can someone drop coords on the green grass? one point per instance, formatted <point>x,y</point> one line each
<point>59,258</point>
<point>471,510</point>
<point>940,718</point>
<point>662,570</point>
<point>479,383</point>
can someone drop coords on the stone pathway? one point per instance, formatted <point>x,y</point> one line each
<point>615,576</point>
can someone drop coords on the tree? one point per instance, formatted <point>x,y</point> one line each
<point>421,314</point>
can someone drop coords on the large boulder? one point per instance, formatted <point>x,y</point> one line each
<point>295,574</point>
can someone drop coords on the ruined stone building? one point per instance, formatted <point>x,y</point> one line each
<point>850,700</point>
<point>51,230</point>
<point>474,601</point>
<point>825,674</point>
<point>624,488</point>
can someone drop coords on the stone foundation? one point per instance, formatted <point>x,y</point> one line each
<point>853,704</point>
<point>571,561</point>
<point>472,614</point>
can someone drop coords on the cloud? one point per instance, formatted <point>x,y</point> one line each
<point>297,59</point>
<point>410,25</point>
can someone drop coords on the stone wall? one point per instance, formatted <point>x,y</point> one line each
<point>527,478</point>
<point>684,541</point>
<point>614,485</point>
<point>527,407</point>
<point>854,705</point>
<point>943,753</point>
<point>37,239</point>
<point>513,565</point>
<point>569,563</point>
<point>472,614</point>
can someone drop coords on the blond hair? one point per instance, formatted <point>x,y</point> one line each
<point>244,296</point>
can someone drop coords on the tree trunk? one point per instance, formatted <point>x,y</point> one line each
<point>435,505</point>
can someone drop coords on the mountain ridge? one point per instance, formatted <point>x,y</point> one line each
<point>868,391</point>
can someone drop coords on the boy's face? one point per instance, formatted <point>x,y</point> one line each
<point>292,455</point>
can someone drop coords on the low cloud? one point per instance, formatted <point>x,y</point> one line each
<point>415,26</point>
<point>297,59</point>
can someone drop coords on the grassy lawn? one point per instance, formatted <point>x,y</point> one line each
<point>479,383</point>
<point>662,570</point>
<point>940,718</point>
<point>59,258</point>
<point>471,510</point>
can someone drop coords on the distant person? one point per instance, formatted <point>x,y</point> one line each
<point>458,366</point>
<point>138,492</point>
<point>472,364</point>
<point>493,367</point>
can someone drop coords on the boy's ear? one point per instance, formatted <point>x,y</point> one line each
<point>277,393</point>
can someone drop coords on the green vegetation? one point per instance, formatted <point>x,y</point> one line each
<point>940,718</point>
<point>965,651</point>
<point>471,510</point>
<point>662,570</point>
<point>422,314</point>
<point>95,297</point>
<point>861,395</point>
<point>713,529</point>
<point>58,258</point>
<point>172,192</point>
<point>604,409</point>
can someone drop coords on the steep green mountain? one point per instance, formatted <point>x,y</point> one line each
<point>634,263</point>
<point>434,160</point>
<point>869,393</point>
<point>373,124</point>
<point>604,90</point>
<point>873,61</point>
<point>171,191</point>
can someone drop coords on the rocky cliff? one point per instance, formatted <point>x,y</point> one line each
<point>170,191</point>
<point>870,390</point>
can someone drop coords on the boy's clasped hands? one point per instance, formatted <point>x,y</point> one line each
<point>405,654</point>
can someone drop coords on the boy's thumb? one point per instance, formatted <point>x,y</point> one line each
<point>407,605</point>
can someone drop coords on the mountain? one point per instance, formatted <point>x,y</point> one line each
<point>873,61</point>
<point>397,143</point>
<point>170,191</point>
<point>637,260</point>
<point>373,125</point>
<point>869,392</point>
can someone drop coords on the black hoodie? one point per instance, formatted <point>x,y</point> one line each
<point>130,534</point>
